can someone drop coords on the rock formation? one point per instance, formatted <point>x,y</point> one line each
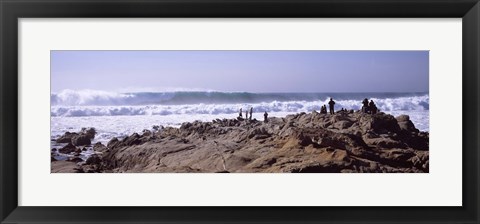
<point>78,139</point>
<point>305,142</point>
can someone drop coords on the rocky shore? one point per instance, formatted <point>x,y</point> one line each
<point>302,143</point>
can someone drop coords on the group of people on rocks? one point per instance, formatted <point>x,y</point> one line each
<point>331,104</point>
<point>368,107</point>
<point>249,116</point>
<point>240,115</point>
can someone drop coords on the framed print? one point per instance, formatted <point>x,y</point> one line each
<point>249,112</point>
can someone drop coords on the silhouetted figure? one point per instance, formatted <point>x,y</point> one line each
<point>246,114</point>
<point>251,112</point>
<point>365,105</point>
<point>240,114</point>
<point>331,103</point>
<point>372,107</point>
<point>265,117</point>
<point>324,109</point>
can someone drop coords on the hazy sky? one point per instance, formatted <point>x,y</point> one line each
<point>249,71</point>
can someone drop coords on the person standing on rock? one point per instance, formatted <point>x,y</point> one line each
<point>251,112</point>
<point>331,103</point>
<point>240,114</point>
<point>265,117</point>
<point>372,107</point>
<point>246,114</point>
<point>365,105</point>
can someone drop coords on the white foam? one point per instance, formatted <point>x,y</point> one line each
<point>417,103</point>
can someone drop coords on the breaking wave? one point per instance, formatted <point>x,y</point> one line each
<point>95,103</point>
<point>103,98</point>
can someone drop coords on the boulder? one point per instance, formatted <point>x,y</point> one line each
<point>80,140</point>
<point>406,124</point>
<point>89,132</point>
<point>66,138</point>
<point>379,123</point>
<point>69,148</point>
<point>402,118</point>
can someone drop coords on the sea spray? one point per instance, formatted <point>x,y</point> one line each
<point>401,103</point>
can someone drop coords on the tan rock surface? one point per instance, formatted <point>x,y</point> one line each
<point>305,142</point>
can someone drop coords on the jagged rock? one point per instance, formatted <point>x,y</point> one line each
<point>114,142</point>
<point>99,147</point>
<point>132,140</point>
<point>146,133</point>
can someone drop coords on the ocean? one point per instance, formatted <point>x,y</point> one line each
<point>122,114</point>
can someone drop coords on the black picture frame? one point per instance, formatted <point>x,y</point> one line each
<point>12,10</point>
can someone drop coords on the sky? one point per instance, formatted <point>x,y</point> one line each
<point>241,71</point>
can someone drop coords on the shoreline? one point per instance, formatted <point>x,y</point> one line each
<point>108,127</point>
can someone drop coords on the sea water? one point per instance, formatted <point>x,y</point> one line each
<point>122,114</point>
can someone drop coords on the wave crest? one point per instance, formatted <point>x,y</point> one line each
<point>103,98</point>
<point>414,103</point>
